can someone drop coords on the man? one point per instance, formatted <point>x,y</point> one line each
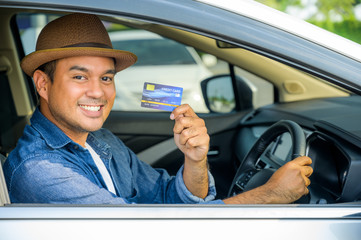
<point>65,156</point>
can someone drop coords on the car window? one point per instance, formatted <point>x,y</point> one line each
<point>153,52</point>
<point>161,61</point>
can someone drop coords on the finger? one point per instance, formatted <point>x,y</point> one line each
<point>187,122</point>
<point>304,160</point>
<point>307,171</point>
<point>190,133</point>
<point>307,181</point>
<point>184,109</point>
<point>198,141</point>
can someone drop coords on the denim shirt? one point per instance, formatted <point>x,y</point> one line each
<point>48,167</point>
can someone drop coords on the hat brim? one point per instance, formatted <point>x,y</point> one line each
<point>31,62</point>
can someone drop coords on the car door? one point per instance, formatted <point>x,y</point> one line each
<point>150,136</point>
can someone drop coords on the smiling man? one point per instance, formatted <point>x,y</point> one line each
<point>66,157</point>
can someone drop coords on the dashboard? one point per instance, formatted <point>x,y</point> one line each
<point>333,143</point>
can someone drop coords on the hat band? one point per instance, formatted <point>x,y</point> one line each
<point>96,45</point>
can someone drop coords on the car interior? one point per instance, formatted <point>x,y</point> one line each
<point>320,108</point>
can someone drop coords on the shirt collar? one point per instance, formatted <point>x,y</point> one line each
<point>53,136</point>
<point>56,138</point>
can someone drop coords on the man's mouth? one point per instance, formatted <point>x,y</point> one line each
<point>91,108</point>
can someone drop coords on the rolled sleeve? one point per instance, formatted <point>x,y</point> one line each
<point>188,198</point>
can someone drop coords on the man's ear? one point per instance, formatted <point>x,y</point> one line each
<point>42,82</point>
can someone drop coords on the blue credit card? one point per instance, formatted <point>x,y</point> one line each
<point>161,97</point>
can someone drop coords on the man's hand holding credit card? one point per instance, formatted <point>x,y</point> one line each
<point>161,97</point>
<point>190,133</point>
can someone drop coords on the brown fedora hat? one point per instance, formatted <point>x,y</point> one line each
<point>75,35</point>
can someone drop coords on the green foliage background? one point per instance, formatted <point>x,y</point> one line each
<point>349,27</point>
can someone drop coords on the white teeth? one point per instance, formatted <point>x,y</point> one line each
<point>91,108</point>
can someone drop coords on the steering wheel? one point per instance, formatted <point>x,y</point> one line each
<point>248,176</point>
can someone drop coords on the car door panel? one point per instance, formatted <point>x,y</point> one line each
<point>151,138</point>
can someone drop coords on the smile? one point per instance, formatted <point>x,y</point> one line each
<point>91,108</point>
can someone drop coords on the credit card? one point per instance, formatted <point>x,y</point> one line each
<point>161,97</point>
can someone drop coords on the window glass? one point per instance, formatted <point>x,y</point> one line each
<point>30,26</point>
<point>154,52</point>
<point>160,60</point>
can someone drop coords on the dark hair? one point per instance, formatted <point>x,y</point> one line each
<point>49,69</point>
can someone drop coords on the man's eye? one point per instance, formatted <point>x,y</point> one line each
<point>107,79</point>
<point>79,77</point>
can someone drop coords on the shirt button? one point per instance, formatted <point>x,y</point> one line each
<point>76,147</point>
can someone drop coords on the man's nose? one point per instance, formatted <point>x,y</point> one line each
<point>95,89</point>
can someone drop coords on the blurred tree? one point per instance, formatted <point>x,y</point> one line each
<point>328,8</point>
<point>344,7</point>
<point>337,16</point>
<point>281,4</point>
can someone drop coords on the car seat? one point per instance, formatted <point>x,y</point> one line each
<point>4,195</point>
<point>8,118</point>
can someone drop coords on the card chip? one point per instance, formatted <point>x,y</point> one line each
<point>150,87</point>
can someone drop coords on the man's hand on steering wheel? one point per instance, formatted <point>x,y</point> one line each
<point>290,182</point>
<point>286,185</point>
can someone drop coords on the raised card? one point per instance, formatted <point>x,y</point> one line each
<point>161,97</point>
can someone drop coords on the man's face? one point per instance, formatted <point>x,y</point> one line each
<point>82,93</point>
